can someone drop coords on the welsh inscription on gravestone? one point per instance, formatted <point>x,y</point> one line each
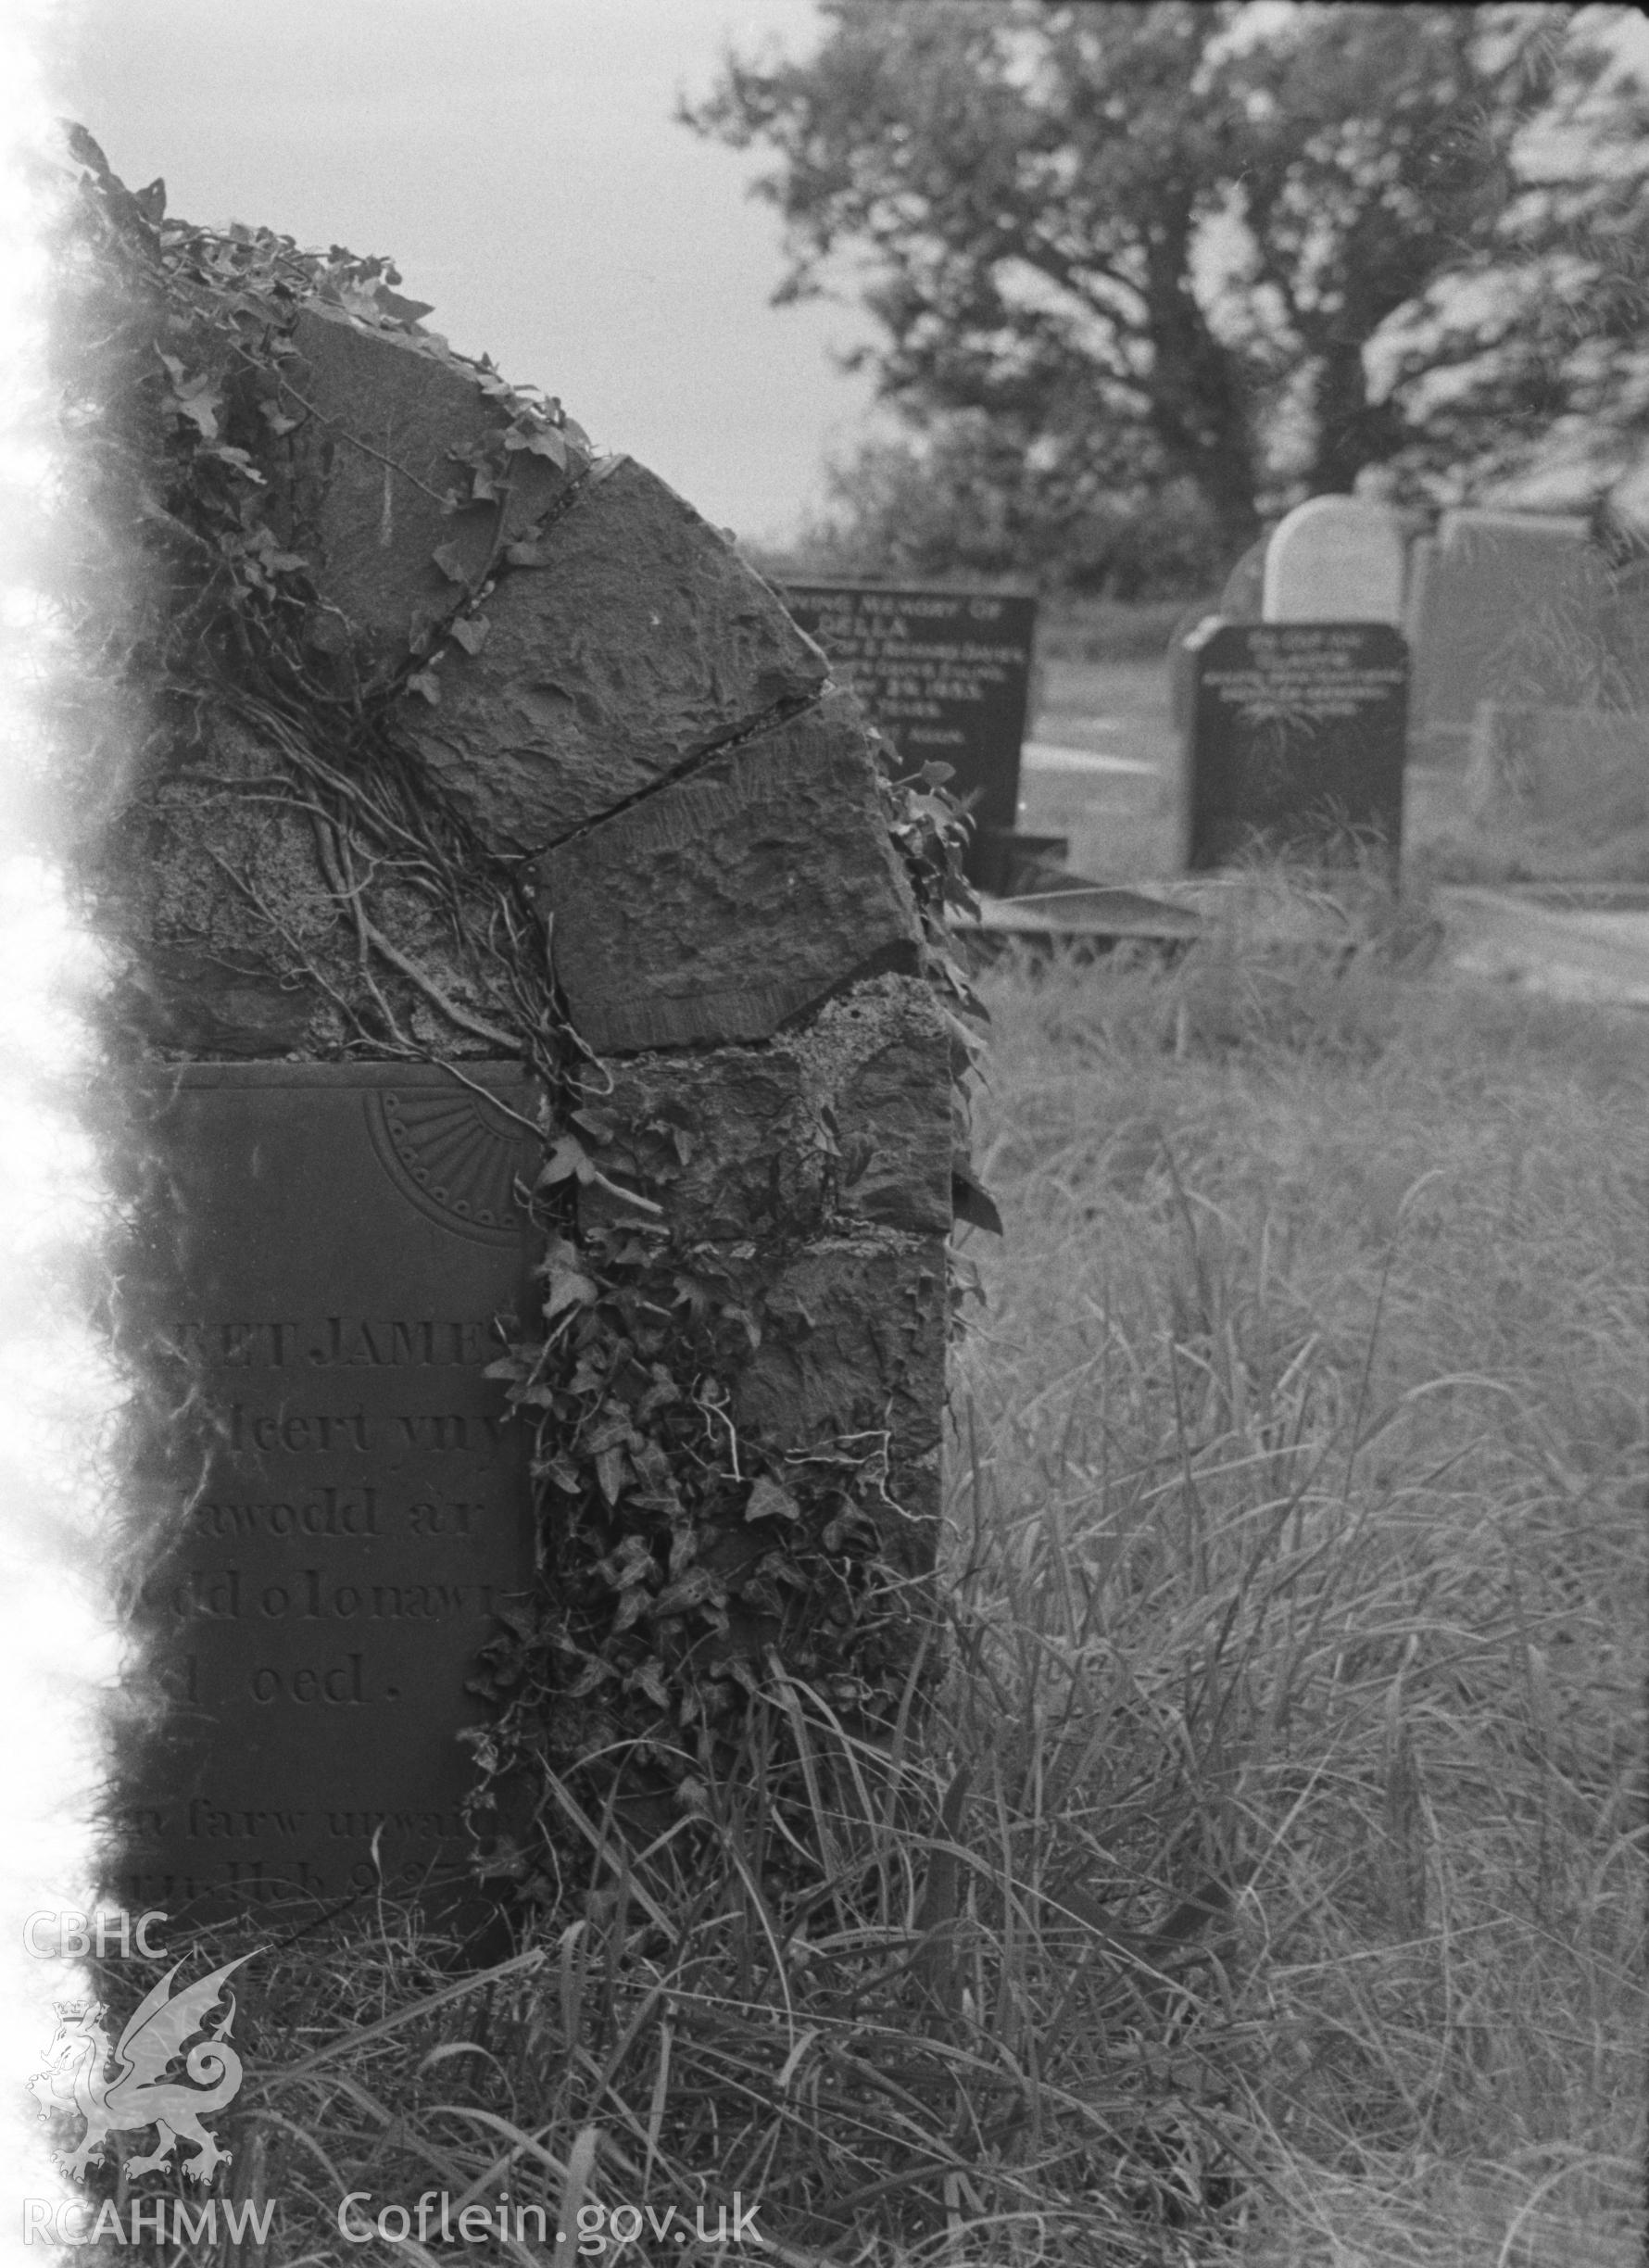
<point>344,1500</point>
<point>945,675</point>
<point>1296,742</point>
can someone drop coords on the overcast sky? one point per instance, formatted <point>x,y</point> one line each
<point>520,159</point>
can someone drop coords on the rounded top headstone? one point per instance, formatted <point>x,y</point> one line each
<point>1335,558</point>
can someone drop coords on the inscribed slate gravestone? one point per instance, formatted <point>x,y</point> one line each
<point>356,1503</point>
<point>946,676</point>
<point>1296,742</point>
<point>1334,559</point>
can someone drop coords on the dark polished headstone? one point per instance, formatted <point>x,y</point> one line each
<point>945,675</point>
<point>339,1500</point>
<point>1295,742</point>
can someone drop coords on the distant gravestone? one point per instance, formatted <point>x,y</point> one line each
<point>356,1506</point>
<point>946,676</point>
<point>1504,607</point>
<point>1242,592</point>
<point>1295,742</point>
<point>1334,559</point>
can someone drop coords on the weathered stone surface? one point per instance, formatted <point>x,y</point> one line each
<point>883,1053</point>
<point>238,946</point>
<point>853,1345</point>
<point>1502,607</point>
<point>1586,769</point>
<point>726,904</point>
<point>641,641</point>
<point>847,1120</point>
<point>374,463</point>
<point>179,1001</point>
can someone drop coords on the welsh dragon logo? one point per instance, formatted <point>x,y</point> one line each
<point>141,2093</point>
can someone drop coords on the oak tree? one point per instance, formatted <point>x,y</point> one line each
<point>1238,249</point>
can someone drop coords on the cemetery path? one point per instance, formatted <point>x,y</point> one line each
<point>1588,949</point>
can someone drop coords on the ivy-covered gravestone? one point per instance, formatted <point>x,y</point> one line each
<point>538,1066</point>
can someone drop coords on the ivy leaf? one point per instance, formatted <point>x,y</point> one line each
<point>569,1287</point>
<point>524,555</point>
<point>971,1201</point>
<point>404,310</point>
<point>631,1607</point>
<point>569,1156</point>
<point>697,1584</point>
<point>768,1501</point>
<point>649,1679</point>
<point>426,683</point>
<point>471,632</point>
<point>240,461</point>
<point>611,1470</point>
<point>449,558</point>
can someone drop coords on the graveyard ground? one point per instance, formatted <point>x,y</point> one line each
<point>1303,1495</point>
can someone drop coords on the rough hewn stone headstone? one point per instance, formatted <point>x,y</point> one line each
<point>1334,559</point>
<point>1296,742</point>
<point>725,903</point>
<point>638,641</point>
<point>351,1497</point>
<point>611,708</point>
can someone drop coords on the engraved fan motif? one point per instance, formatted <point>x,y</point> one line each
<point>462,1157</point>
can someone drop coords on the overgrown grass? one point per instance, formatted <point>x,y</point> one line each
<point>1262,1883</point>
<point>1311,1488</point>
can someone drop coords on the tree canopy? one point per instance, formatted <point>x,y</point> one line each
<point>1221,253</point>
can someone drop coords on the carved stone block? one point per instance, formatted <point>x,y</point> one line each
<point>641,641</point>
<point>847,1119</point>
<point>728,902</point>
<point>374,461</point>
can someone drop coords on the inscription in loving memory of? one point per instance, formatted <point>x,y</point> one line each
<point>944,674</point>
<point>348,1507</point>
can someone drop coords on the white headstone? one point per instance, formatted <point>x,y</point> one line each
<point>1335,558</point>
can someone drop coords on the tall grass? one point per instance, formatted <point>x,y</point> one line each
<point>1312,1459</point>
<point>1261,1881</point>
